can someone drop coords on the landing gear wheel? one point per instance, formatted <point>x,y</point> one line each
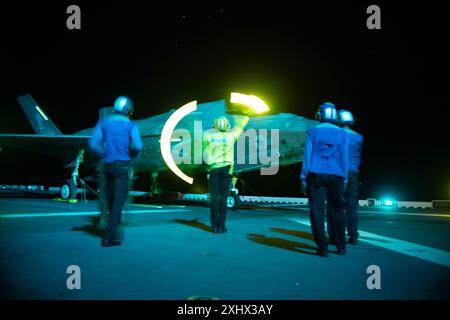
<point>233,202</point>
<point>68,190</point>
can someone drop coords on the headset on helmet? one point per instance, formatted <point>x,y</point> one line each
<point>328,112</point>
<point>317,115</point>
<point>221,124</point>
<point>346,117</point>
<point>124,105</point>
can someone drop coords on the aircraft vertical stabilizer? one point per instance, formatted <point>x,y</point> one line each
<point>38,119</point>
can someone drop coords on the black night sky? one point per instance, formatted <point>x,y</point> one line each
<point>295,56</point>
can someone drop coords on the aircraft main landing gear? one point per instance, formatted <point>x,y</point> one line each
<point>233,200</point>
<point>155,188</point>
<point>68,190</point>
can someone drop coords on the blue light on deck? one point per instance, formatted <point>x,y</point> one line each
<point>390,203</point>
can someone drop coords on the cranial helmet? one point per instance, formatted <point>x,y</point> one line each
<point>221,123</point>
<point>328,112</point>
<point>124,105</point>
<point>346,118</point>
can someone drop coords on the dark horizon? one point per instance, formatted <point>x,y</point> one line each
<point>293,57</point>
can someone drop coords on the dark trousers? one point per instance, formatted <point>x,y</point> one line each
<point>351,204</point>
<point>219,189</point>
<point>116,187</point>
<point>330,188</point>
<point>102,198</point>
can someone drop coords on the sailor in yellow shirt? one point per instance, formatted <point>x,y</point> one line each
<point>218,154</point>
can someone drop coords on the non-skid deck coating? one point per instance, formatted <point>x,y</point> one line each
<point>170,253</point>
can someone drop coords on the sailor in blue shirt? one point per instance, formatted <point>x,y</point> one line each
<point>116,140</point>
<point>355,141</point>
<point>324,173</point>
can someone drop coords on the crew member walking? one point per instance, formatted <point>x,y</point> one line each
<point>116,140</point>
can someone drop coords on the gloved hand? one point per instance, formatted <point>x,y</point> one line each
<point>304,188</point>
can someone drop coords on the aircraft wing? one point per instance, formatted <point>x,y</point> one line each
<point>38,140</point>
<point>60,146</point>
<point>253,167</point>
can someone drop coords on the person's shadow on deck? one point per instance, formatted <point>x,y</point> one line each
<point>90,229</point>
<point>297,233</point>
<point>194,223</point>
<point>282,243</point>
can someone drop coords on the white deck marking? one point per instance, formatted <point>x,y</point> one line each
<point>79,213</point>
<point>386,212</point>
<point>411,249</point>
<point>440,215</point>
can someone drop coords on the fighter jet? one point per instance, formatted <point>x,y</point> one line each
<point>171,140</point>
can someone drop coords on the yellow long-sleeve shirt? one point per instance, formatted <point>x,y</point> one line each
<point>218,146</point>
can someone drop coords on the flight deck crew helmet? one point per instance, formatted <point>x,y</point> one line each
<point>346,118</point>
<point>328,112</point>
<point>124,105</point>
<point>221,124</point>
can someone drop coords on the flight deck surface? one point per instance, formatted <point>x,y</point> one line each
<point>170,253</point>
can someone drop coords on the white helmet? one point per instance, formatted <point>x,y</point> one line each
<point>124,105</point>
<point>221,123</point>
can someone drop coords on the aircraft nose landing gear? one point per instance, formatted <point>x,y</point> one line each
<point>68,189</point>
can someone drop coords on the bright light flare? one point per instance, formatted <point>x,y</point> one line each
<point>166,136</point>
<point>257,104</point>
<point>388,202</point>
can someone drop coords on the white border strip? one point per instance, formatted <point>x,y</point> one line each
<point>80,213</point>
<point>408,248</point>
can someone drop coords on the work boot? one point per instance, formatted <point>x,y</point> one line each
<point>323,253</point>
<point>341,251</point>
<point>110,243</point>
<point>353,240</point>
<point>222,230</point>
<point>120,233</point>
<point>215,229</point>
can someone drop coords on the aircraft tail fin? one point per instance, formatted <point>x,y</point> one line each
<point>38,119</point>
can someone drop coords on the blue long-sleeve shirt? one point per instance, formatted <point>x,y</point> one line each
<point>116,138</point>
<point>355,141</point>
<point>326,151</point>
